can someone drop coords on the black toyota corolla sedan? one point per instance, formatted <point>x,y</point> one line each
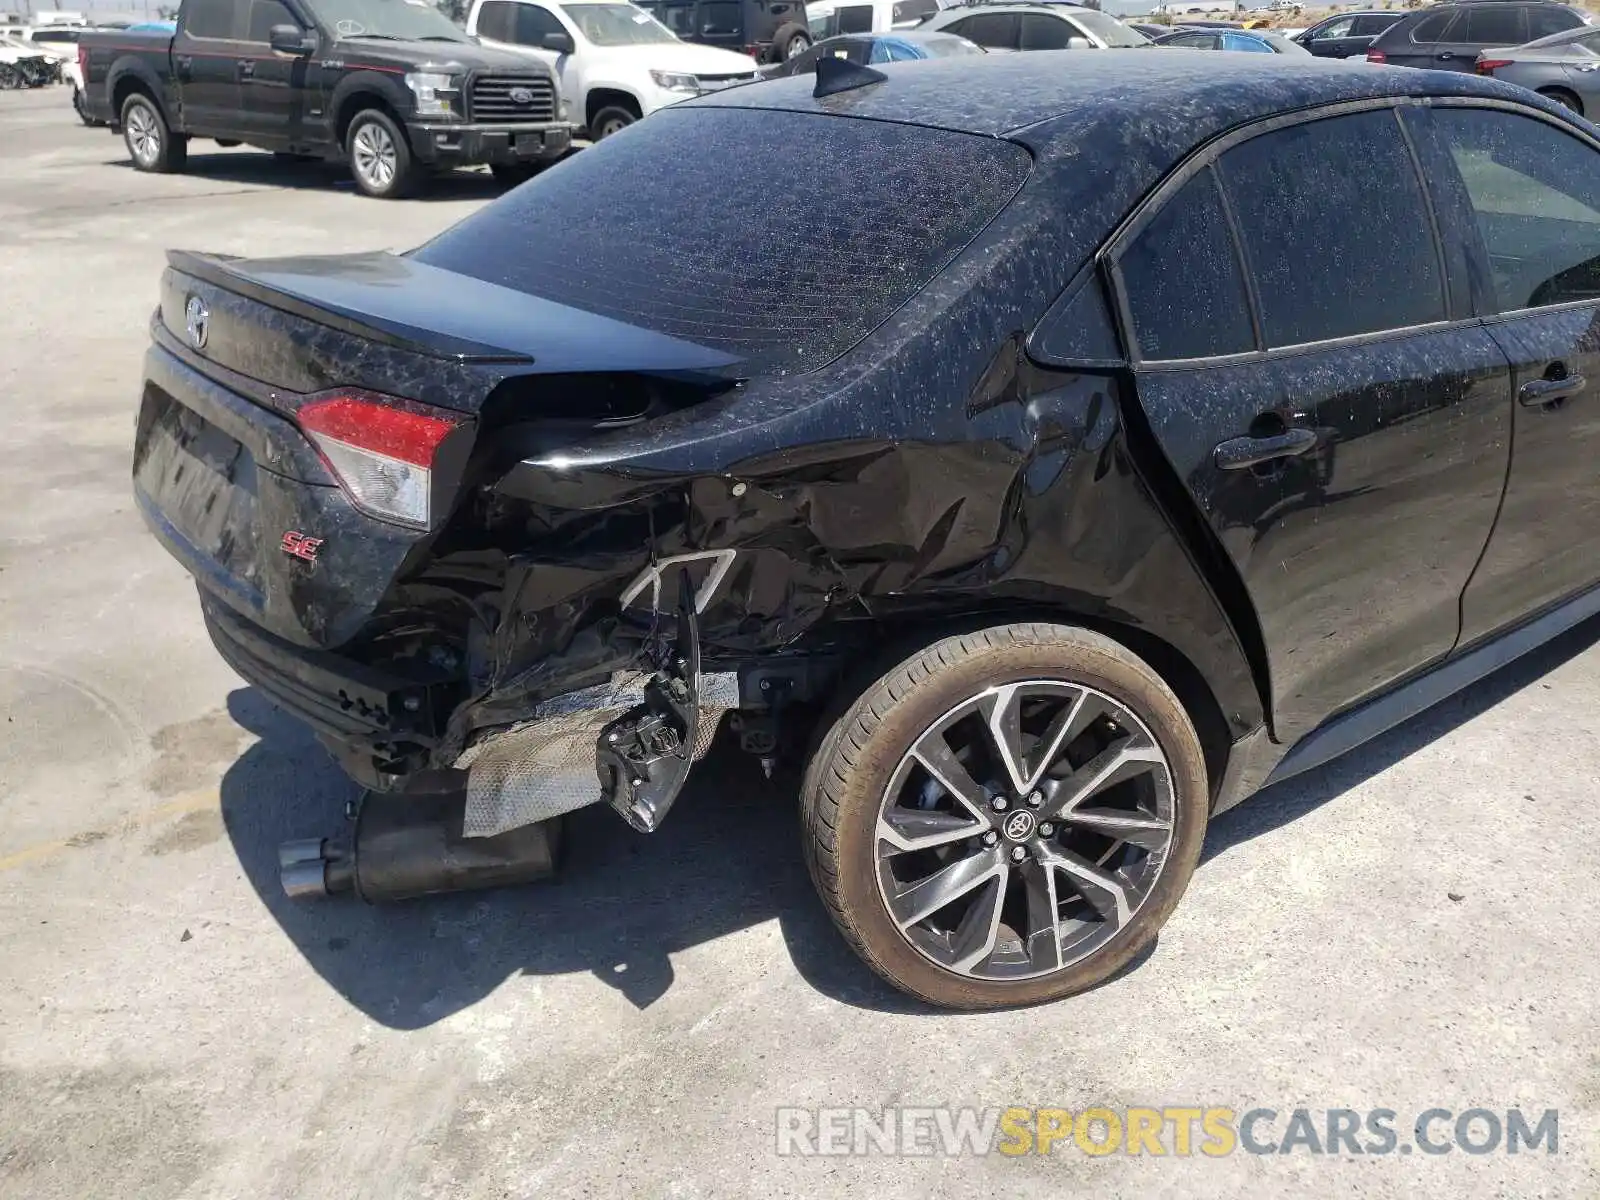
<point>1054,484</point>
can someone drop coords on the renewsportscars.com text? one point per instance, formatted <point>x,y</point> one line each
<point>1175,1130</point>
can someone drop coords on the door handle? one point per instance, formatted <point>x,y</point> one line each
<point>1238,453</point>
<point>184,62</point>
<point>1543,393</point>
<point>1446,56</point>
<point>247,68</point>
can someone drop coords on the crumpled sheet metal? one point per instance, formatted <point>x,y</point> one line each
<point>544,766</point>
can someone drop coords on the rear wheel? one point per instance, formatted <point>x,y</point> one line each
<point>790,41</point>
<point>380,157</point>
<point>1006,817</point>
<point>1564,98</point>
<point>151,143</point>
<point>612,119</point>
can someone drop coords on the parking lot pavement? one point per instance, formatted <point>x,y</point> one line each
<point>1414,928</point>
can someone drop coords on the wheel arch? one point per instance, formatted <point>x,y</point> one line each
<point>130,75</point>
<point>1561,95</point>
<point>363,91</point>
<point>606,96</point>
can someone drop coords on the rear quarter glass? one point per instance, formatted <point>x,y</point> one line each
<point>783,238</point>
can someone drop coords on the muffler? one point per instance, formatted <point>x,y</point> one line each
<point>409,843</point>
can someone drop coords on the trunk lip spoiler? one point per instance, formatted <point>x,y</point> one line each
<point>267,282</point>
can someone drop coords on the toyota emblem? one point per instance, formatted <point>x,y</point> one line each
<point>1019,825</point>
<point>197,322</point>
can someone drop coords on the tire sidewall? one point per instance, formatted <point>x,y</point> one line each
<point>608,114</point>
<point>139,100</point>
<point>864,783</point>
<point>404,169</point>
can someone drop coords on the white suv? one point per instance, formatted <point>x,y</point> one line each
<point>616,63</point>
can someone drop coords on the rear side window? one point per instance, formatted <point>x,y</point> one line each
<point>854,18</point>
<point>911,12</point>
<point>1238,41</point>
<point>1182,280</point>
<point>1289,188</point>
<point>1432,28</point>
<point>1495,25</point>
<point>208,18</point>
<point>989,29</point>
<point>786,269</point>
<point>1371,26</point>
<point>1535,194</point>
<point>720,17</point>
<point>1551,18</point>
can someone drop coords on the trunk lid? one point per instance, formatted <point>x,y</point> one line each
<point>230,483</point>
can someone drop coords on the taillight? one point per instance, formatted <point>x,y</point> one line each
<point>382,450</point>
<point>1488,66</point>
<point>1377,56</point>
<point>83,64</point>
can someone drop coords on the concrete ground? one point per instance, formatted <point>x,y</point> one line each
<point>1412,928</point>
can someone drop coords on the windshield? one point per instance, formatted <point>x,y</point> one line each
<point>1107,28</point>
<point>414,20</point>
<point>618,25</point>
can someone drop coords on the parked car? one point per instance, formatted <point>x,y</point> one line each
<point>1254,41</point>
<point>1346,34</point>
<point>829,18</point>
<point>389,86</point>
<point>1449,37</point>
<point>1034,26</point>
<point>1153,31</point>
<point>868,48</point>
<point>615,62</point>
<point>23,65</point>
<point>1048,550</point>
<point>1564,66</point>
<point>766,30</point>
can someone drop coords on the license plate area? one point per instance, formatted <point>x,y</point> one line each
<point>202,482</point>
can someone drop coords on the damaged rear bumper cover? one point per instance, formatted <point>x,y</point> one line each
<point>630,741</point>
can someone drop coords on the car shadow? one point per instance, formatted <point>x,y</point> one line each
<point>264,170</point>
<point>623,903</point>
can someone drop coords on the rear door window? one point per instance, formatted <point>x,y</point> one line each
<point>1244,43</point>
<point>1336,29</point>
<point>1535,195</point>
<point>657,232</point>
<point>1040,31</point>
<point>1494,25</point>
<point>854,18</point>
<point>1182,279</point>
<point>1370,26</point>
<point>209,19</point>
<point>1433,28</point>
<point>1291,187</point>
<point>996,30</point>
<point>720,17</point>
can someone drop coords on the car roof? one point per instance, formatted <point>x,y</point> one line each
<point>1180,98</point>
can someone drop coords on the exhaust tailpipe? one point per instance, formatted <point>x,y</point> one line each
<point>408,844</point>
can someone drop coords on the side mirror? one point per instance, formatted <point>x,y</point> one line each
<point>561,43</point>
<point>291,39</point>
<point>1078,43</point>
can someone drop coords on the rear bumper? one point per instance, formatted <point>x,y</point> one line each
<point>456,144</point>
<point>344,701</point>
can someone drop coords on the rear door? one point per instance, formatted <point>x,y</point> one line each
<point>1528,191</point>
<point>1344,430</point>
<point>1479,26</point>
<point>1420,43</point>
<point>207,59</point>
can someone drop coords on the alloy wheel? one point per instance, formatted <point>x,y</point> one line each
<point>796,47</point>
<point>1023,829</point>
<point>375,156</point>
<point>144,134</point>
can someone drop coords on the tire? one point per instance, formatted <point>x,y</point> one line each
<point>151,143</point>
<point>1564,98</point>
<point>967,951</point>
<point>10,78</point>
<point>611,119</point>
<point>789,42</point>
<point>380,156</point>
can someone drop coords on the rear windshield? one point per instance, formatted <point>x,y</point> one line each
<point>779,237</point>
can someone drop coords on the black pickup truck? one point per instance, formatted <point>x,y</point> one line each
<point>391,86</point>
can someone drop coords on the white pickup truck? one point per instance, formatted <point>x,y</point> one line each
<point>615,62</point>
